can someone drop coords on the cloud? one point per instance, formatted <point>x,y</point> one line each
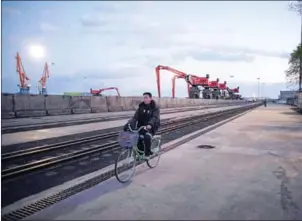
<point>92,21</point>
<point>120,44</point>
<point>216,56</point>
<point>47,27</point>
<point>11,11</point>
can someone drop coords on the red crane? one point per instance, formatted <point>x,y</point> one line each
<point>234,90</point>
<point>214,84</point>
<point>43,80</point>
<point>98,92</point>
<point>173,85</point>
<point>234,93</point>
<point>223,86</point>
<point>24,85</point>
<point>192,80</point>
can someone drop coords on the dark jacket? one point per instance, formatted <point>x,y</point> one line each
<point>146,115</point>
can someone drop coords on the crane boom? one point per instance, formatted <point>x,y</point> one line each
<point>98,92</point>
<point>43,79</point>
<point>192,80</point>
<point>173,86</point>
<point>23,78</point>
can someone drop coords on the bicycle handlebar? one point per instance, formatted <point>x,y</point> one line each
<point>136,131</point>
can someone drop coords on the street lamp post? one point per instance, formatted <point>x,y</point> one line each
<point>258,87</point>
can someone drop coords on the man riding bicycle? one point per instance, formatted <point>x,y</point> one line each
<point>147,115</point>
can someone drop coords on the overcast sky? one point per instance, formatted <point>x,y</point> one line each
<point>105,44</point>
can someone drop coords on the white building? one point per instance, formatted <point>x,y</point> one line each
<point>287,94</point>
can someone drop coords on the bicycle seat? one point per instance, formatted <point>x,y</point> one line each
<point>157,136</point>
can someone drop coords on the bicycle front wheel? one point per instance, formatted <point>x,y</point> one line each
<point>125,165</point>
<point>156,149</point>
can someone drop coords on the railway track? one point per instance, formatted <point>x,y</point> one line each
<point>34,180</point>
<point>37,126</point>
<point>31,159</point>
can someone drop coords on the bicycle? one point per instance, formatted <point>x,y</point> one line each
<point>128,140</point>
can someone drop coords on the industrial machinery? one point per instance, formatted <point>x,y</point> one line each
<point>223,90</point>
<point>43,80</point>
<point>193,81</point>
<point>98,92</point>
<point>211,91</point>
<point>234,93</point>
<point>24,84</point>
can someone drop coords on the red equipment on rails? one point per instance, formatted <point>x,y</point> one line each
<point>192,80</point>
<point>98,92</point>
<point>24,84</point>
<point>214,84</point>
<point>212,91</point>
<point>234,93</point>
<point>223,86</point>
<point>234,90</point>
<point>43,80</point>
<point>222,89</point>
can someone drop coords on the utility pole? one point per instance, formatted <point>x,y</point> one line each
<point>258,87</point>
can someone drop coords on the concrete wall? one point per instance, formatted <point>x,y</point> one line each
<point>17,105</point>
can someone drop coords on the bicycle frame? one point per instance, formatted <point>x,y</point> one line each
<point>136,155</point>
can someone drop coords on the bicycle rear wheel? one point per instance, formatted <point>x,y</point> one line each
<point>156,149</point>
<point>125,165</point>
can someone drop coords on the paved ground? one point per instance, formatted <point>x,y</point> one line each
<point>35,135</point>
<point>254,173</point>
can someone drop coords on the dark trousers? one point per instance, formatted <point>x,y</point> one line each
<point>147,141</point>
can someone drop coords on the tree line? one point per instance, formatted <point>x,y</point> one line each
<point>293,73</point>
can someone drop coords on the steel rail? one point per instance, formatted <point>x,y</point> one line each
<point>51,161</point>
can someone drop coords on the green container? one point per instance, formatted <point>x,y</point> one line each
<point>73,93</point>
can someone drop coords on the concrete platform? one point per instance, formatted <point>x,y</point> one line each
<point>254,173</point>
<point>34,135</point>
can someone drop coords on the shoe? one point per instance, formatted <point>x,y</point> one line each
<point>147,158</point>
<point>148,155</point>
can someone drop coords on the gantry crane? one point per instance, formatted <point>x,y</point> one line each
<point>43,80</point>
<point>24,84</point>
<point>191,80</point>
<point>98,92</point>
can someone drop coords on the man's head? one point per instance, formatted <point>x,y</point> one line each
<point>147,97</point>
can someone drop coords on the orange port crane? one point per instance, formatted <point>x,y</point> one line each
<point>43,80</point>
<point>192,80</point>
<point>98,92</point>
<point>24,79</point>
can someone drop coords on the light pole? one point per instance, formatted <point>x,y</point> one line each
<point>258,87</point>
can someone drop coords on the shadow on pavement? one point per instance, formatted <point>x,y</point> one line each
<point>290,112</point>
